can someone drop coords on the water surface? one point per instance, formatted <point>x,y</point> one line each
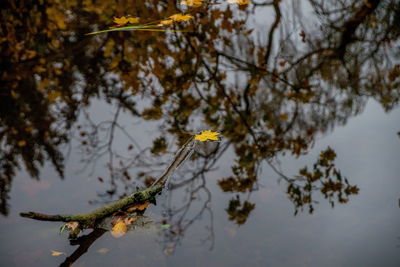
<point>85,120</point>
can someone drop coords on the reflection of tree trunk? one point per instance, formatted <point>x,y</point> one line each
<point>351,25</point>
<point>84,243</point>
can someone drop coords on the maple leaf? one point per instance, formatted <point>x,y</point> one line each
<point>181,17</point>
<point>239,2</point>
<point>124,20</point>
<point>192,3</point>
<point>207,135</point>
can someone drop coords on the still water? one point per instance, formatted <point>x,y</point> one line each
<point>87,120</point>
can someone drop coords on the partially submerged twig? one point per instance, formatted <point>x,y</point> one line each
<point>89,219</point>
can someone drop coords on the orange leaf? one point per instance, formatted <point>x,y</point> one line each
<point>119,229</point>
<point>72,225</point>
<point>139,207</point>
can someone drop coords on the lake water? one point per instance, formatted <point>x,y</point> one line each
<point>286,85</point>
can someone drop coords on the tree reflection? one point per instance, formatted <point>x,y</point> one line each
<point>271,89</point>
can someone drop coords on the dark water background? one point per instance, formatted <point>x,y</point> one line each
<point>308,77</point>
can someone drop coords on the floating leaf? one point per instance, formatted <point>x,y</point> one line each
<point>56,253</point>
<point>239,2</point>
<point>207,135</point>
<point>103,250</point>
<point>139,207</point>
<point>181,17</point>
<point>192,3</point>
<point>124,20</point>
<point>119,229</point>
<point>165,22</point>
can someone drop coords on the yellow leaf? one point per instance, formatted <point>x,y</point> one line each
<point>239,2</point>
<point>133,20</point>
<point>165,22</point>
<point>207,135</point>
<point>21,143</point>
<point>192,3</point>
<point>181,17</point>
<point>119,229</point>
<point>124,20</point>
<point>121,21</point>
<point>56,253</point>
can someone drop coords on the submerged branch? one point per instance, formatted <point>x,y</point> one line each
<point>141,196</point>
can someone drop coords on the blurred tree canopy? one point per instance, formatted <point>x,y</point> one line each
<point>271,85</point>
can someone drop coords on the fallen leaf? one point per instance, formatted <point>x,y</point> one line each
<point>120,21</point>
<point>103,250</point>
<point>207,135</point>
<point>181,17</point>
<point>192,3</point>
<point>124,20</point>
<point>165,22</point>
<point>56,253</point>
<point>119,229</point>
<point>239,2</point>
<point>133,20</point>
<point>72,225</point>
<point>139,207</point>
